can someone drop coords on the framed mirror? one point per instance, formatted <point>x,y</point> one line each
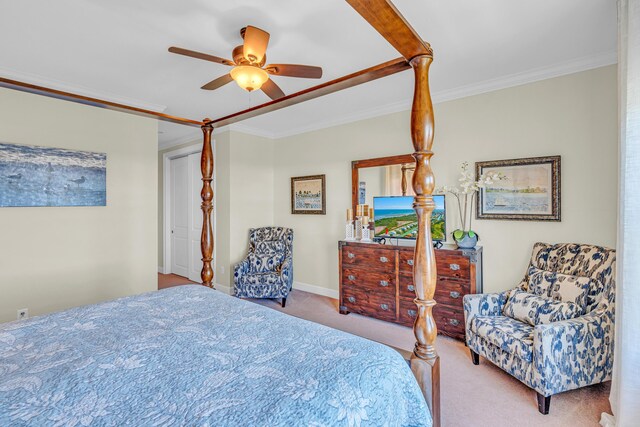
<point>382,176</point>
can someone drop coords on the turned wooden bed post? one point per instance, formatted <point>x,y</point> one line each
<point>425,362</point>
<point>206,239</point>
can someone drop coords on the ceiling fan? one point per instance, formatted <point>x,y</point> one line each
<point>249,71</point>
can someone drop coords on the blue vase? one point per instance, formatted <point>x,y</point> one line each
<point>467,242</point>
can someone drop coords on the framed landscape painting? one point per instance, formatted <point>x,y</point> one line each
<point>44,176</point>
<point>308,195</point>
<point>530,192</point>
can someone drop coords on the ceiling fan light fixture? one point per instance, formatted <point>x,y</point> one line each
<point>248,77</point>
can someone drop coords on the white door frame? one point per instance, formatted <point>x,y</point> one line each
<point>166,199</point>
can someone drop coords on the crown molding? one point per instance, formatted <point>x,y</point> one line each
<point>530,76</point>
<point>241,127</point>
<point>512,80</point>
<point>78,90</point>
<point>195,137</point>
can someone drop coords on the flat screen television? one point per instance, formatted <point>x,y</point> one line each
<point>395,218</point>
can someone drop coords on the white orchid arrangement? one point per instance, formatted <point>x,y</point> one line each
<point>466,194</point>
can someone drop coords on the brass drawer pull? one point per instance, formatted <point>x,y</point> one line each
<point>384,283</point>
<point>384,259</point>
<point>351,277</point>
<point>351,255</point>
<point>412,313</point>
<point>410,262</point>
<point>454,322</point>
<point>454,267</point>
<point>352,299</point>
<point>454,294</point>
<point>384,307</point>
<point>411,288</point>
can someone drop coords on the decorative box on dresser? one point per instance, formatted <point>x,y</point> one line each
<point>377,281</point>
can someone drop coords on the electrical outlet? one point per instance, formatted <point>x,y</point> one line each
<point>23,313</point>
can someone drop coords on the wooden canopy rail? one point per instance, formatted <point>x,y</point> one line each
<point>417,54</point>
<point>94,102</point>
<point>363,76</point>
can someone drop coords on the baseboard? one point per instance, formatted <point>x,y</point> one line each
<point>318,290</point>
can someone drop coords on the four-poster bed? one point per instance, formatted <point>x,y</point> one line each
<point>416,54</point>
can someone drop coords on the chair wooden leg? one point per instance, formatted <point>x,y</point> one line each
<point>475,357</point>
<point>543,404</point>
<point>284,301</point>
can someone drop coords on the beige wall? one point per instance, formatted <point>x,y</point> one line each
<point>52,258</point>
<point>573,116</point>
<point>244,196</point>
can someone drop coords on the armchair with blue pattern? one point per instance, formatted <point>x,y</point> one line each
<point>267,270</point>
<point>553,356</point>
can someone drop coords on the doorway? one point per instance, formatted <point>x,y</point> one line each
<point>182,213</point>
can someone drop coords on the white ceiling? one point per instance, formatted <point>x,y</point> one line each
<point>117,50</point>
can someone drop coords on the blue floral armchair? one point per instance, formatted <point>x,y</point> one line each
<point>267,270</point>
<point>566,345</point>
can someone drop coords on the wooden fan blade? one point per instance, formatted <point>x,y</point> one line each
<point>272,90</point>
<point>255,44</point>
<point>389,22</point>
<point>294,70</point>
<point>219,82</point>
<point>198,55</point>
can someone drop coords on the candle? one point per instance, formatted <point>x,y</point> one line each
<point>350,214</point>
<point>365,220</point>
<point>359,210</point>
<point>371,213</point>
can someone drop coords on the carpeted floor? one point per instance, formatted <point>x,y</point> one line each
<point>471,395</point>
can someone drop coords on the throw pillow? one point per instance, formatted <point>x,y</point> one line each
<point>559,286</point>
<point>537,310</point>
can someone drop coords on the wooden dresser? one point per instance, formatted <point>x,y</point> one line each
<point>377,280</point>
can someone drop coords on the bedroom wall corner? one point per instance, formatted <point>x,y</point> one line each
<point>53,258</point>
<point>574,116</point>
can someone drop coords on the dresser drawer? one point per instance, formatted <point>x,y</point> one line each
<point>408,311</point>
<point>450,321</point>
<point>405,264</point>
<point>405,285</point>
<point>380,306</point>
<point>450,292</point>
<point>369,258</point>
<point>453,266</point>
<point>377,281</point>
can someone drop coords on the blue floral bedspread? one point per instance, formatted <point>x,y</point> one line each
<point>191,356</point>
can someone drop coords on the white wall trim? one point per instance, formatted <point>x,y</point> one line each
<point>530,76</point>
<point>166,200</point>
<point>161,270</point>
<point>318,290</point>
<point>225,289</point>
<point>78,90</point>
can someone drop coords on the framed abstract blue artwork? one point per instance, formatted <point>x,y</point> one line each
<point>44,176</point>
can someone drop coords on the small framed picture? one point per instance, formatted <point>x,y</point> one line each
<point>308,195</point>
<point>530,192</point>
<point>362,192</point>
